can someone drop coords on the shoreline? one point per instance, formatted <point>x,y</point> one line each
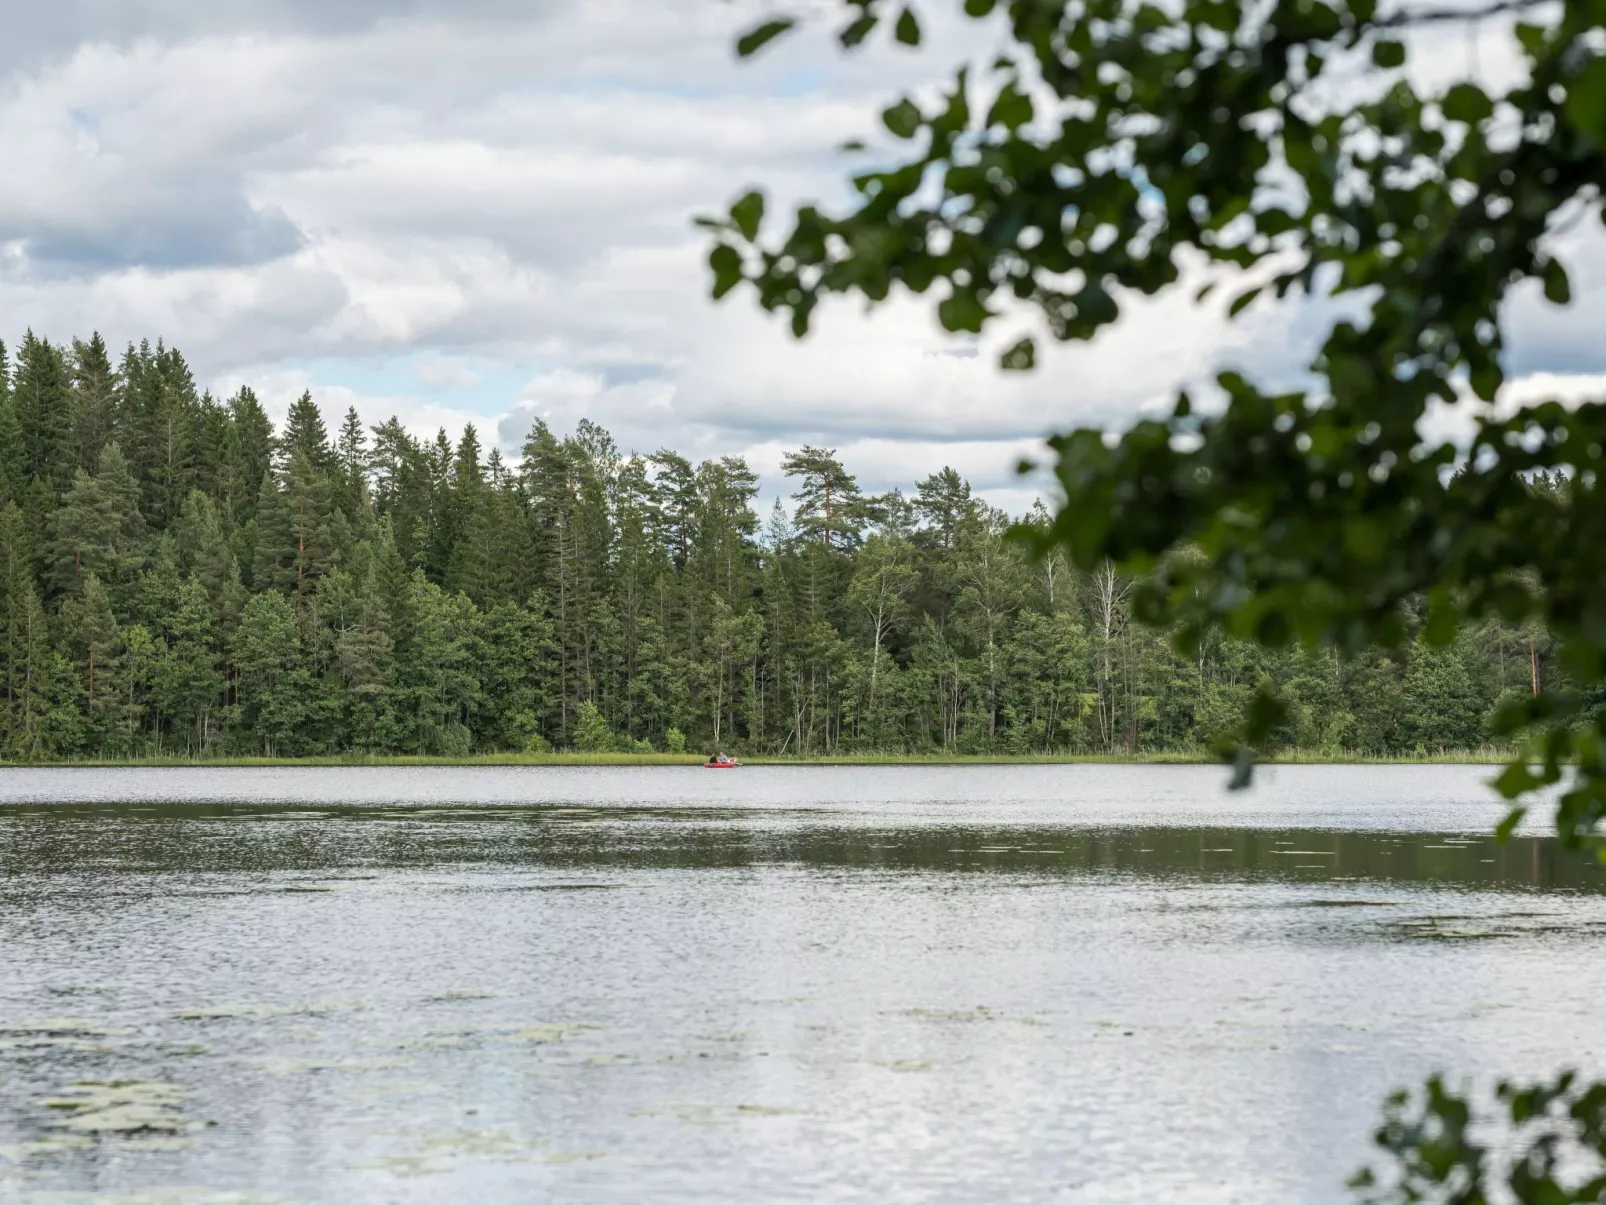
<point>1481,757</point>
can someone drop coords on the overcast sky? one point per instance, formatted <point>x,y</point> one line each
<point>480,211</point>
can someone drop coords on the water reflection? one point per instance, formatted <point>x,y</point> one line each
<point>1043,987</point>
<point>220,838</point>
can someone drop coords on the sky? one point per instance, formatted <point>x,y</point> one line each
<point>480,211</point>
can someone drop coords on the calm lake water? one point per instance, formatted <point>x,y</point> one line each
<point>1090,984</point>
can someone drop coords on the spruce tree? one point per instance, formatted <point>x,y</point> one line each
<point>294,541</point>
<point>97,530</point>
<point>188,682</point>
<point>252,449</point>
<point>267,650</point>
<point>363,657</point>
<point>205,553</point>
<point>94,400</point>
<point>305,435</point>
<point>95,643</point>
<point>166,424</point>
<point>43,399</point>
<point>13,471</point>
<point>350,493</point>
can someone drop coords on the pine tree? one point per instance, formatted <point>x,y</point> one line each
<point>97,530</point>
<point>634,595</point>
<point>829,504</point>
<point>944,501</point>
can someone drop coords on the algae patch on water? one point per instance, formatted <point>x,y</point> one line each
<point>961,1016</point>
<point>179,1195</point>
<point>537,1034</point>
<point>719,1114</point>
<point>237,1012</point>
<point>232,1012</point>
<point>44,1148</point>
<point>907,1065</point>
<point>68,1033</point>
<point>438,1153</point>
<point>56,1027</point>
<point>121,1106</point>
<point>300,1066</point>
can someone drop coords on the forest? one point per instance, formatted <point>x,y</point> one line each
<point>179,578</point>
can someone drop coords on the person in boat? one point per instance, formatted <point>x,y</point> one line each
<point>719,759</point>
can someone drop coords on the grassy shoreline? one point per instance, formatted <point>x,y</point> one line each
<point>1476,757</point>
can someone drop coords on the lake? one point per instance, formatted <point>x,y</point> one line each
<point>1091,984</point>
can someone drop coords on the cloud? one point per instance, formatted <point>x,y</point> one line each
<point>479,211</point>
<point>445,372</point>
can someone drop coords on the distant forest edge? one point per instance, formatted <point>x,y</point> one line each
<point>179,579</point>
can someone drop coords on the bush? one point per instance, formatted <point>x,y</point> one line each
<point>674,741</point>
<point>591,731</point>
<point>536,743</point>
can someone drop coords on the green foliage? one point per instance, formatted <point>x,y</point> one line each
<point>1543,1142</point>
<point>1115,150</point>
<point>591,731</point>
<point>1114,146</point>
<point>285,594</point>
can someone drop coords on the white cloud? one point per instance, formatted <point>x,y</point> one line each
<point>498,195</point>
<point>438,371</point>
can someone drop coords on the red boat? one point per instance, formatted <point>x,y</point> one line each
<point>730,763</point>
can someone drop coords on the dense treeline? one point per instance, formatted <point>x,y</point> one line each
<point>178,577</point>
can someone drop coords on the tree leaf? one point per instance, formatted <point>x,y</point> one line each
<point>1012,109</point>
<point>1388,54</point>
<point>963,310</point>
<point>747,214</point>
<point>1557,289</point>
<point>1021,357</point>
<point>1586,100</point>
<point>857,31</point>
<point>907,29</point>
<point>726,265</point>
<point>902,119</point>
<point>1508,825</point>
<point>1467,102</point>
<point>760,36</point>
<point>1242,302</point>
